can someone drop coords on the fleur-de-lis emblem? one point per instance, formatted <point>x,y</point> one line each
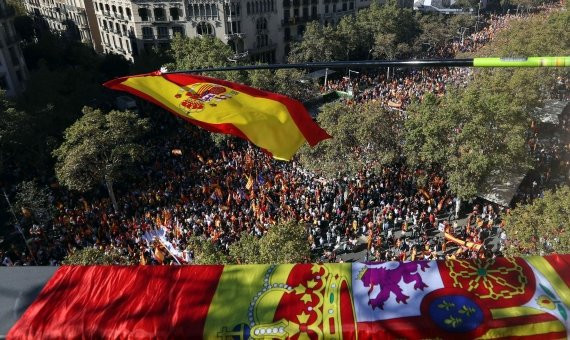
<point>446,305</point>
<point>467,310</point>
<point>453,321</point>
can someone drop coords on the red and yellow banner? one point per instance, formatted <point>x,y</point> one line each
<point>527,298</point>
<point>276,123</point>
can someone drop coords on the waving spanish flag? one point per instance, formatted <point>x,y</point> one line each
<point>278,124</point>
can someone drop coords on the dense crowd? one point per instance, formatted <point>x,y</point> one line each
<point>396,91</point>
<point>194,188</point>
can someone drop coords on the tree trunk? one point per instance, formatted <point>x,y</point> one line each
<point>109,184</point>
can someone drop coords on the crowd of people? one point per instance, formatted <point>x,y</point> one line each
<point>194,188</point>
<point>396,91</point>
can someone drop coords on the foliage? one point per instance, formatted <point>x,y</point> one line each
<point>205,251</point>
<point>365,136</point>
<point>470,134</point>
<point>19,7</point>
<point>319,43</point>
<point>385,31</point>
<point>285,242</point>
<point>542,227</point>
<point>201,52</point>
<point>34,203</point>
<point>96,256</point>
<point>246,250</point>
<point>100,148</point>
<point>480,131</point>
<point>16,137</point>
<point>542,34</point>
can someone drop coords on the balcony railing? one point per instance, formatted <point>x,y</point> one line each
<point>231,36</point>
<point>148,37</point>
<point>164,36</point>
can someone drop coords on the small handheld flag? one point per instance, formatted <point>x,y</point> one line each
<point>276,123</point>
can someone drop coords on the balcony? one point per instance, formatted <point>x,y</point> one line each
<point>232,36</point>
<point>160,19</point>
<point>148,37</point>
<point>163,37</point>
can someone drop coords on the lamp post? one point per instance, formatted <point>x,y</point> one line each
<point>349,81</point>
<point>462,31</point>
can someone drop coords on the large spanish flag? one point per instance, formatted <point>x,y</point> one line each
<point>276,123</point>
<point>502,298</point>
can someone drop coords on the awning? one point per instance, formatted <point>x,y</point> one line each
<point>319,74</point>
<point>502,191</point>
<point>549,113</point>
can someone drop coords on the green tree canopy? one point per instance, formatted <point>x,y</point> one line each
<point>96,256</point>
<point>470,134</point>
<point>542,227</point>
<point>285,242</point>
<point>100,148</point>
<point>33,203</point>
<point>364,135</point>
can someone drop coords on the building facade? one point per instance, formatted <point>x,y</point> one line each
<point>259,30</point>
<point>74,19</point>
<point>13,70</point>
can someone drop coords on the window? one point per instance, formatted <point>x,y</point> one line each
<point>204,28</point>
<point>305,12</point>
<point>125,29</point>
<point>261,24</point>
<point>107,8</point>
<point>286,15</point>
<point>287,33</point>
<point>178,30</point>
<point>248,8</point>
<point>215,11</point>
<point>334,8</point>
<point>262,40</point>
<point>175,13</point>
<point>326,8</point>
<point>300,30</point>
<point>143,13</point>
<point>129,13</point>
<point>314,12</point>
<point>286,3</point>
<point>147,33</point>
<point>163,32</point>
<point>159,14</point>
<point>344,6</point>
<point>351,5</point>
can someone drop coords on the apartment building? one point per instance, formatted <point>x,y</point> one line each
<point>74,19</point>
<point>13,70</point>
<point>259,30</point>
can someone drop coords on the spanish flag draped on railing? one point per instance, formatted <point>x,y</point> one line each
<point>522,298</point>
<point>276,123</point>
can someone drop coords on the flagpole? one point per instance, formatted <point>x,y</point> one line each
<point>470,62</point>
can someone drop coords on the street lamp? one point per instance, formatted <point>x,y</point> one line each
<point>462,31</point>
<point>349,81</point>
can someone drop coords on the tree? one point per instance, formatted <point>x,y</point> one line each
<point>371,143</point>
<point>285,242</point>
<point>202,52</point>
<point>246,250</point>
<point>319,43</point>
<point>471,135</point>
<point>205,252</point>
<point>16,136</point>
<point>34,203</point>
<point>96,256</point>
<point>100,148</point>
<point>542,227</point>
